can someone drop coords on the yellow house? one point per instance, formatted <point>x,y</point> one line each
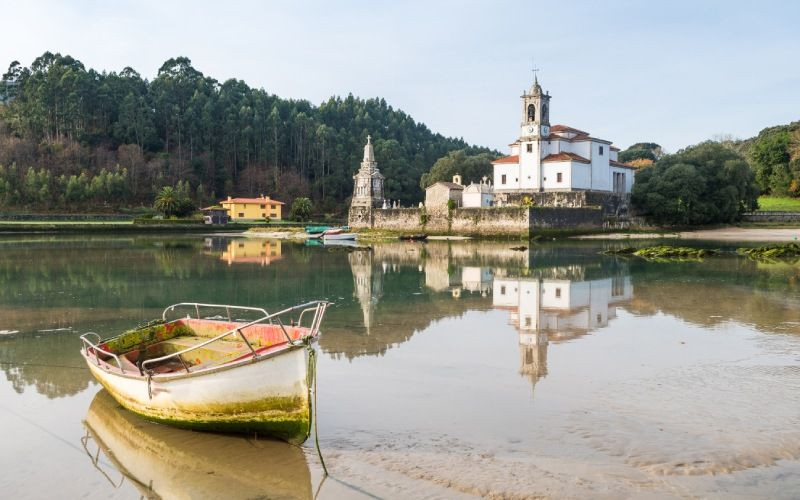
<point>252,208</point>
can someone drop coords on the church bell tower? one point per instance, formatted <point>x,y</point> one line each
<point>535,113</point>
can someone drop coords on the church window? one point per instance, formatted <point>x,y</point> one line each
<point>529,148</point>
<point>558,177</point>
<point>531,112</point>
<point>558,293</point>
<point>601,150</point>
<point>503,179</point>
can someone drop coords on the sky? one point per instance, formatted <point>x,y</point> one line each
<point>673,72</point>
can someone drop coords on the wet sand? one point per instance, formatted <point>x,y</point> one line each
<point>721,234</point>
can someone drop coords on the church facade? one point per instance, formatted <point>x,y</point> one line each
<point>558,158</point>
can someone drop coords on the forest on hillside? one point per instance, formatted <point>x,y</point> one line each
<point>73,138</point>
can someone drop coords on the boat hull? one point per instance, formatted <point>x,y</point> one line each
<point>267,395</point>
<point>338,236</point>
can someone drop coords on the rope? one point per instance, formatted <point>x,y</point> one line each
<point>312,389</point>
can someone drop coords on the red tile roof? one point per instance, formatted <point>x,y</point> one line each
<point>564,128</point>
<point>253,200</point>
<point>564,156</point>
<point>507,159</point>
<point>580,135</point>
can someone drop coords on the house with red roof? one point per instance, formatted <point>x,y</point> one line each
<point>558,158</point>
<point>252,209</point>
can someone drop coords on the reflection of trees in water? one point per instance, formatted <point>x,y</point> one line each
<point>49,362</point>
<point>382,298</point>
<point>766,296</point>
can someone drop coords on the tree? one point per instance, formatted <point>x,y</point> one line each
<point>704,184</point>
<point>301,209</point>
<point>185,126</point>
<point>174,201</point>
<point>769,156</point>
<point>641,151</point>
<point>471,167</point>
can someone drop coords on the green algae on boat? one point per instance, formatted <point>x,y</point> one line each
<point>155,331</point>
<point>771,252</point>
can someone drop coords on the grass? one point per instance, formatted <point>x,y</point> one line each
<point>778,204</point>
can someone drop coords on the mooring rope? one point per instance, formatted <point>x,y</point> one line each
<point>312,389</point>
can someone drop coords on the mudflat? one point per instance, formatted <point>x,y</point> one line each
<point>719,234</point>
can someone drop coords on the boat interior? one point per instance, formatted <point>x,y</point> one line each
<point>162,339</point>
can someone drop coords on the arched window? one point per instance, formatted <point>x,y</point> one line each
<point>544,112</point>
<point>531,112</point>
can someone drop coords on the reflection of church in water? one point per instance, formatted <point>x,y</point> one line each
<point>548,310</point>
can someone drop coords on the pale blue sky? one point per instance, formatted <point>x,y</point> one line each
<point>673,72</point>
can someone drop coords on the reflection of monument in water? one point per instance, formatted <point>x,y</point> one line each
<point>554,308</point>
<point>368,285</point>
<point>247,251</point>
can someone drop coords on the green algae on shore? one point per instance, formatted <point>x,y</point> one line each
<point>664,252</point>
<point>771,252</point>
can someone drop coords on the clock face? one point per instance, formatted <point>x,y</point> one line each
<point>545,130</point>
<point>531,129</point>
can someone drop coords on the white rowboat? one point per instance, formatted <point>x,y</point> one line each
<point>213,372</point>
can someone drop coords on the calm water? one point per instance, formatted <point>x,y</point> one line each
<point>446,370</point>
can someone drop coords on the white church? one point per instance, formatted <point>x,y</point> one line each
<point>558,158</point>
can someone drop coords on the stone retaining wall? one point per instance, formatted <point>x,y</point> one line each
<point>487,221</point>
<point>611,204</point>
<point>771,217</point>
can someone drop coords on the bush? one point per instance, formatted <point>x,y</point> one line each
<point>703,184</point>
<point>301,209</point>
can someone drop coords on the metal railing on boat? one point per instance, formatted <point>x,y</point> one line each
<point>318,306</point>
<point>96,348</point>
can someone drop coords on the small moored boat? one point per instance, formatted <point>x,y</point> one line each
<point>413,237</point>
<point>337,234</point>
<point>215,373</point>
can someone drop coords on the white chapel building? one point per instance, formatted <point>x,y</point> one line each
<point>558,158</point>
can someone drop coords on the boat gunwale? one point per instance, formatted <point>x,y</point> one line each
<point>168,377</point>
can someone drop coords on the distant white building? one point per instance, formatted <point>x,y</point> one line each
<point>478,195</point>
<point>558,158</point>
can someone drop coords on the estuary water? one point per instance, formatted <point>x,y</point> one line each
<point>446,370</point>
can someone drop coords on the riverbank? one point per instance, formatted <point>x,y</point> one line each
<point>140,226</point>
